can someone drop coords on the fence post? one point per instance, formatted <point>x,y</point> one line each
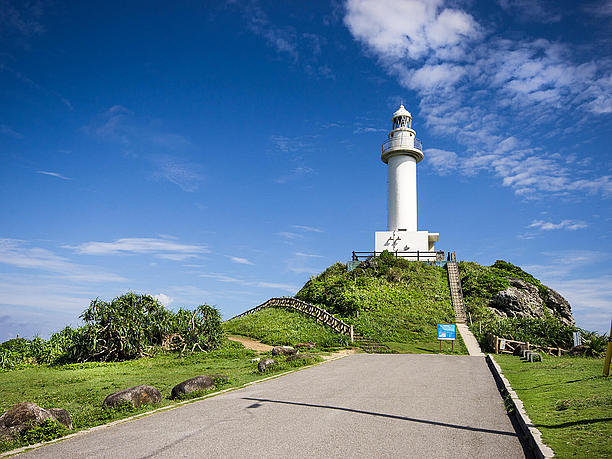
<point>351,333</point>
<point>496,345</point>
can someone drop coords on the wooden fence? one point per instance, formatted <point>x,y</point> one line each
<point>508,346</point>
<point>321,315</point>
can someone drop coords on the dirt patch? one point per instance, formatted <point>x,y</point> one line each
<point>342,353</point>
<point>250,343</point>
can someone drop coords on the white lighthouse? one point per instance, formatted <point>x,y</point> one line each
<point>402,152</point>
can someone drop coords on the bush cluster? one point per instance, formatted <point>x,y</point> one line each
<point>127,327</point>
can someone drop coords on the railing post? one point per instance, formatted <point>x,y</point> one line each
<point>496,345</point>
<point>351,334</point>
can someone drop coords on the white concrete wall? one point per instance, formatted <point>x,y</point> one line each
<point>405,241</point>
<point>402,194</point>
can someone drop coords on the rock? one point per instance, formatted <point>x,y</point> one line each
<point>559,306</point>
<point>306,345</point>
<point>255,360</point>
<point>299,357</point>
<point>519,349</point>
<point>577,350</point>
<point>521,299</point>
<point>265,364</point>
<point>202,382</point>
<point>22,416</point>
<point>62,416</point>
<point>284,350</point>
<point>135,396</point>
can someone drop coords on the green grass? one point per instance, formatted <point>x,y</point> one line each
<point>81,388</point>
<point>388,300</point>
<point>281,327</point>
<point>568,399</point>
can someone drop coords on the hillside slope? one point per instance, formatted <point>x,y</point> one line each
<point>388,300</point>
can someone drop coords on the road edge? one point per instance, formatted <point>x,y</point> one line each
<point>531,432</point>
<point>23,449</point>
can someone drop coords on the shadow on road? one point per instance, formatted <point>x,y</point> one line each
<point>259,401</point>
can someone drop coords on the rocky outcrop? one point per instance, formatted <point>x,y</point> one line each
<point>284,350</point>
<point>201,382</point>
<point>264,364</point>
<point>23,416</point>
<point>559,306</point>
<point>523,299</point>
<point>306,345</point>
<point>135,396</point>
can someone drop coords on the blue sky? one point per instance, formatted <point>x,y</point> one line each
<point>223,153</point>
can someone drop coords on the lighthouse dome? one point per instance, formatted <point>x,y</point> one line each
<point>402,112</point>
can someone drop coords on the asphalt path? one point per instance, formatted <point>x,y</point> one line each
<point>364,405</point>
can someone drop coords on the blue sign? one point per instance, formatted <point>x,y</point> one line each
<point>446,332</point>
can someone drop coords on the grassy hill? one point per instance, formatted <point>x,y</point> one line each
<point>388,300</point>
<point>280,327</point>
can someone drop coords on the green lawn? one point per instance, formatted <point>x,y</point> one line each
<point>278,327</point>
<point>568,399</point>
<point>81,388</point>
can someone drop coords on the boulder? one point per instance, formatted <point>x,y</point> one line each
<point>201,382</point>
<point>22,416</point>
<point>135,396</point>
<point>306,345</point>
<point>577,350</point>
<point>284,350</point>
<point>264,364</point>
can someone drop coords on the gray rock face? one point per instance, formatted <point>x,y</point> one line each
<point>201,382</point>
<point>522,299</point>
<point>306,345</point>
<point>560,307</point>
<point>284,350</point>
<point>264,364</point>
<point>135,396</point>
<point>22,416</point>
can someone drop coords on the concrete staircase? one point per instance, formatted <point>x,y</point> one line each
<point>370,346</point>
<point>454,283</point>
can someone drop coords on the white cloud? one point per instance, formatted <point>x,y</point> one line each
<point>17,253</point>
<point>164,299</point>
<point>234,280</point>
<point>161,248</point>
<point>240,260</point>
<point>473,84</point>
<point>289,235</point>
<point>442,161</point>
<point>54,174</point>
<point>310,229</point>
<point>563,224</point>
<point>308,255</point>
<point>183,174</point>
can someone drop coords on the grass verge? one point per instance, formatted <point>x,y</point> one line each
<point>568,400</point>
<point>81,388</point>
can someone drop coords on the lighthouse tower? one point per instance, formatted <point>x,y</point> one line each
<point>402,152</point>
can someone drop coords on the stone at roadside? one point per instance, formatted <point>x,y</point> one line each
<point>135,396</point>
<point>284,350</point>
<point>299,357</point>
<point>577,350</point>
<point>265,364</point>
<point>201,382</point>
<point>23,416</point>
<point>255,360</point>
<point>306,345</point>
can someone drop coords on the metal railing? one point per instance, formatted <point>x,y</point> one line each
<point>416,255</point>
<point>398,141</point>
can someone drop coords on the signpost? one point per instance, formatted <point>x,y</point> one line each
<point>608,359</point>
<point>446,332</point>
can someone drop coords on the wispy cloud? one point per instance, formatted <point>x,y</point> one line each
<point>183,174</point>
<point>456,66</point>
<point>235,280</point>
<point>54,174</point>
<point>289,235</point>
<point>160,248</point>
<point>19,254</point>
<point>570,225</point>
<point>310,229</point>
<point>240,260</point>
<point>294,174</point>
<point>308,255</point>
<point>10,132</point>
<point>542,11</point>
<point>23,18</point>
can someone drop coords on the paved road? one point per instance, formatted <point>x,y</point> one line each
<point>363,405</point>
